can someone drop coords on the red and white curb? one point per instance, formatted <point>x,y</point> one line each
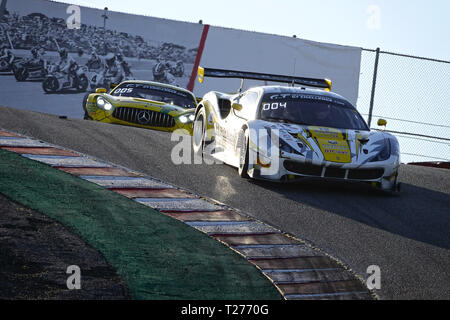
<point>297,270</point>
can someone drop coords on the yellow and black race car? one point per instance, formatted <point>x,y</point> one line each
<point>144,104</point>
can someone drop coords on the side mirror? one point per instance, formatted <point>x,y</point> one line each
<point>113,85</point>
<point>201,74</point>
<point>381,122</point>
<point>100,90</point>
<point>236,106</point>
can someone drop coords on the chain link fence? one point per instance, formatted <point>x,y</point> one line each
<point>411,94</point>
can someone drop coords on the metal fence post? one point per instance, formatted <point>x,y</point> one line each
<point>374,84</point>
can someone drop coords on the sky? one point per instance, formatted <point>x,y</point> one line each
<point>410,27</point>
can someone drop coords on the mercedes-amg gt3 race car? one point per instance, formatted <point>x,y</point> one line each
<point>145,104</point>
<point>287,133</point>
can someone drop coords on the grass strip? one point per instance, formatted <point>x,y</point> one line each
<point>158,257</point>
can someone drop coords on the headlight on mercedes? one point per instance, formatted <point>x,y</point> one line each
<point>186,119</point>
<point>103,104</point>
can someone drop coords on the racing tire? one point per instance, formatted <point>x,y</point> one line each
<point>83,105</point>
<point>244,155</point>
<point>50,85</point>
<point>21,74</point>
<point>199,133</point>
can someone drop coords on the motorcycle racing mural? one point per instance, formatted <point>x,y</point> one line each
<point>48,66</point>
<point>39,48</point>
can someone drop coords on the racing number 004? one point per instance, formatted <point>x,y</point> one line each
<point>274,105</point>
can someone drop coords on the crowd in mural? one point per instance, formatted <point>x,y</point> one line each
<point>35,29</point>
<point>105,50</point>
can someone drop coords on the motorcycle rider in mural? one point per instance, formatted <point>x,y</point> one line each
<point>5,53</point>
<point>31,68</point>
<point>128,75</point>
<point>67,65</point>
<point>40,56</point>
<point>113,72</point>
<point>161,72</point>
<point>6,57</point>
<point>94,63</point>
<point>95,68</point>
<point>37,57</point>
<point>178,69</point>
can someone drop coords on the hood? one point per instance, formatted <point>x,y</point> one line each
<point>333,143</point>
<point>339,146</point>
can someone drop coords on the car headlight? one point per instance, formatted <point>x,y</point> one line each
<point>103,104</point>
<point>385,153</point>
<point>187,118</point>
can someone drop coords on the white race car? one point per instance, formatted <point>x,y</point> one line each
<point>287,133</point>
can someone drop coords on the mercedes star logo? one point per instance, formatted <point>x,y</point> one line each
<point>143,117</point>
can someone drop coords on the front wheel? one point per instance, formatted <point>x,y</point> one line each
<point>84,105</point>
<point>243,155</point>
<point>4,66</point>
<point>199,132</point>
<point>21,74</point>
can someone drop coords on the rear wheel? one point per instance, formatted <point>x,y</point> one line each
<point>50,84</point>
<point>83,83</point>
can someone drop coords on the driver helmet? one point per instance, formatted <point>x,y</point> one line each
<point>323,111</point>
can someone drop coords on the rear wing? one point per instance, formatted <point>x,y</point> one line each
<point>219,73</point>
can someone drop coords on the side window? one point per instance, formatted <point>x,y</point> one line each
<point>248,102</point>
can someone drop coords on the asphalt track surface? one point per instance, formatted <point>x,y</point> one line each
<point>407,236</point>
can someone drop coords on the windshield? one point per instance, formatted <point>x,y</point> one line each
<point>155,93</point>
<point>310,109</point>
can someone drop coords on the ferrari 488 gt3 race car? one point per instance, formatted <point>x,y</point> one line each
<point>287,133</point>
<point>143,104</point>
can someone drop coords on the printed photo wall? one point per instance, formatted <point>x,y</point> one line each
<point>38,37</point>
<point>108,47</point>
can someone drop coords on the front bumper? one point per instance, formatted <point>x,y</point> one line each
<point>382,175</point>
<point>130,117</point>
